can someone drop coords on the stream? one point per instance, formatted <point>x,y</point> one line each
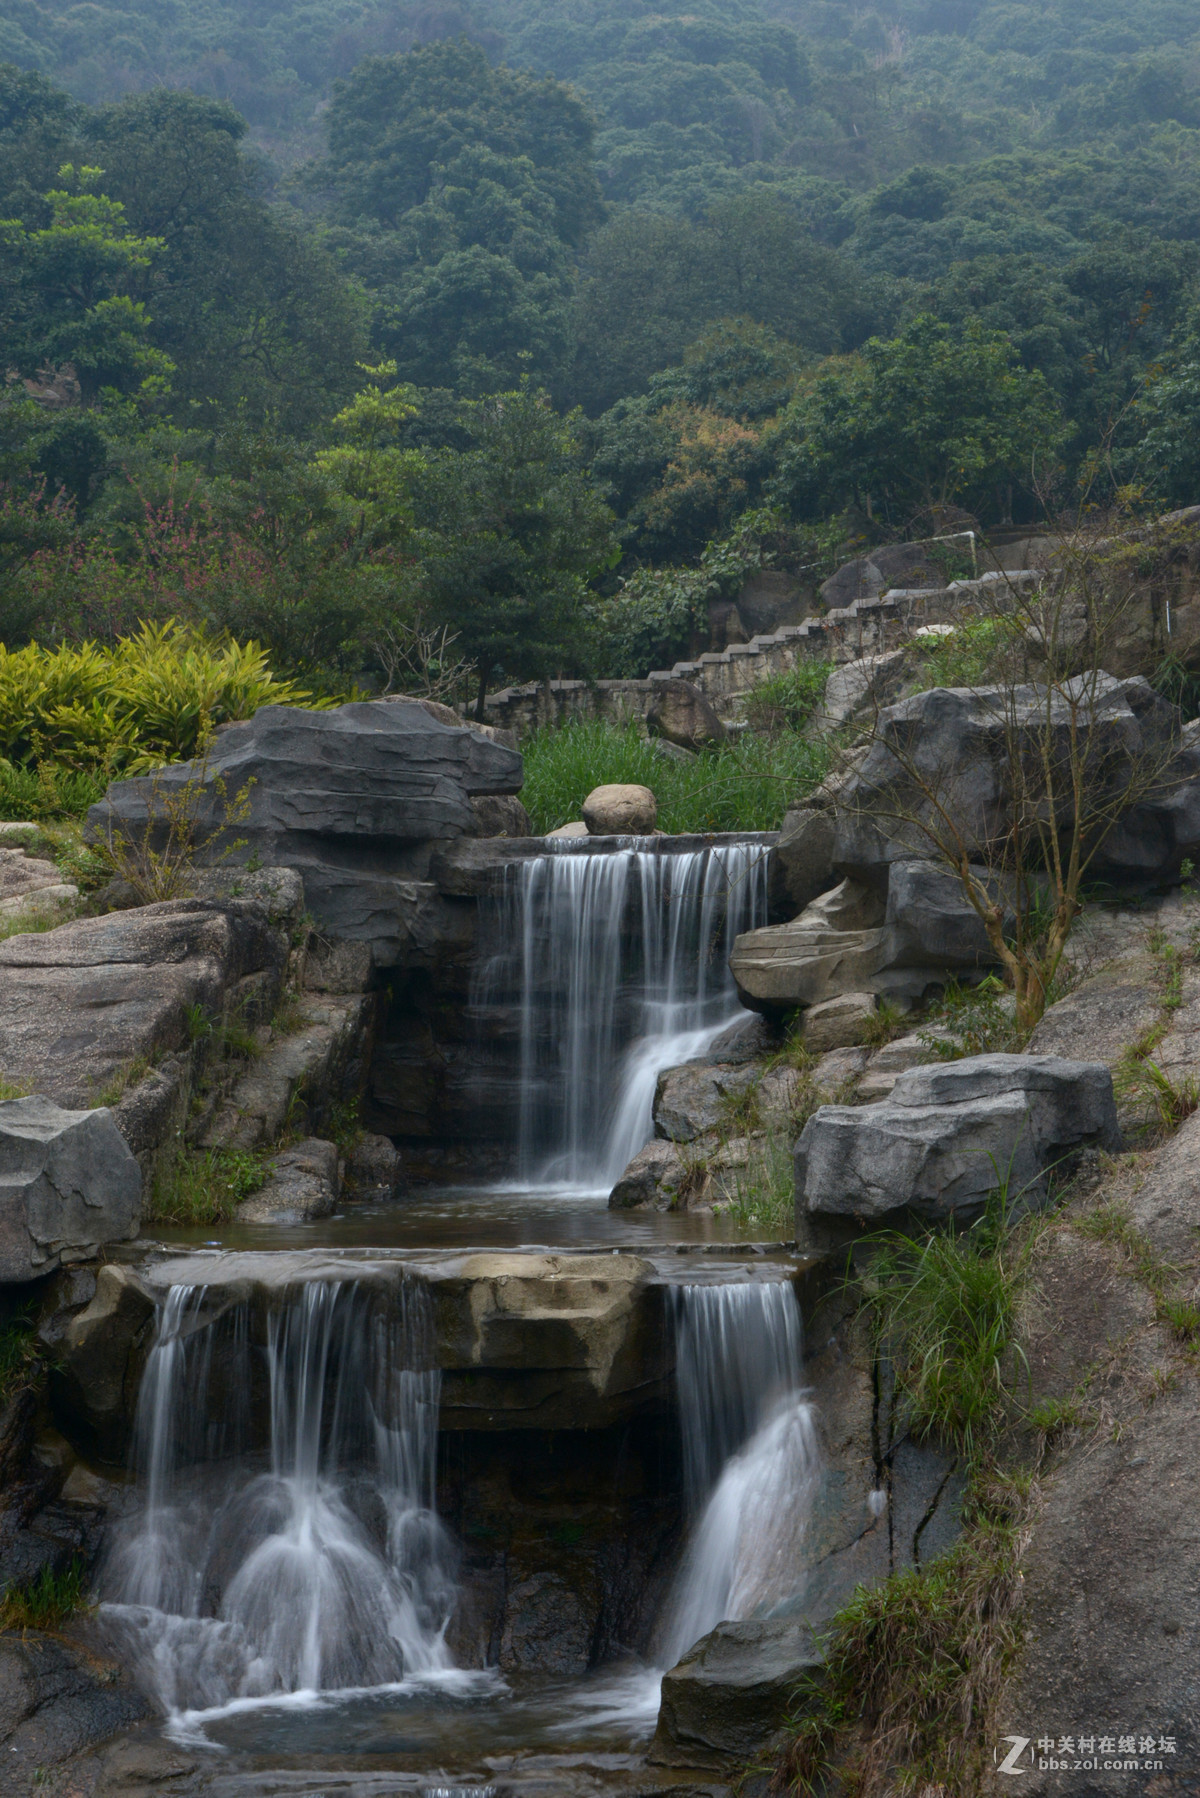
<point>283,1580</point>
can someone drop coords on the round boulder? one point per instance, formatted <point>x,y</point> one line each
<point>620,811</point>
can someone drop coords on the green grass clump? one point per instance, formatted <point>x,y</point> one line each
<point>746,784</point>
<point>47,1602</point>
<point>205,1187</point>
<point>20,1363</point>
<point>764,1201</point>
<point>787,701</point>
<point>972,1020</point>
<point>914,1668</point>
<point>964,657</point>
<point>944,1308</point>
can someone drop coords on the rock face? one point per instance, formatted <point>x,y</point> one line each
<point>730,1695</point>
<point>839,1023</point>
<point>955,741</point>
<point>801,866</point>
<point>68,1186</point>
<point>681,713</point>
<point>895,565</point>
<point>352,798</point>
<point>80,1003</point>
<point>57,1701</point>
<point>620,811</point>
<point>949,1135</point>
<point>894,942</point>
<point>28,883</point>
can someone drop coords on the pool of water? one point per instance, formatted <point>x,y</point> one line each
<point>458,1218</point>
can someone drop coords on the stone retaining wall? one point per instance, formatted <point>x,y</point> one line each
<point>864,627</point>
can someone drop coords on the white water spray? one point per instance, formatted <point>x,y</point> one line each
<point>751,1461</point>
<point>620,964</point>
<point>326,1570</point>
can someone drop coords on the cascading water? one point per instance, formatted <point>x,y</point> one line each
<point>751,1461</point>
<point>620,962</point>
<point>326,1569</point>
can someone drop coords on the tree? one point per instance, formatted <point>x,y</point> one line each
<point>1020,786</point>
<point>249,304</point>
<point>69,286</point>
<point>914,423</point>
<point>510,532</point>
<point>459,191</point>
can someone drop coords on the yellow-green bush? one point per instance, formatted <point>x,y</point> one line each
<point>151,698</point>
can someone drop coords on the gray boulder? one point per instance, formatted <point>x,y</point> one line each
<point>859,686</point>
<point>801,863</point>
<point>302,1185</point>
<point>731,1694</point>
<point>954,743</point>
<point>352,798</point>
<point>694,1099</point>
<point>950,1134</point>
<point>80,1004</point>
<point>906,565</point>
<point>620,809</point>
<point>363,771</point>
<point>680,712</point>
<point>840,1023</point>
<point>68,1186</point>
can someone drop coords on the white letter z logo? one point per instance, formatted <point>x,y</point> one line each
<point>1019,1745</point>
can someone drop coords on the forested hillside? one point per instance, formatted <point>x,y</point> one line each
<point>345,327</point>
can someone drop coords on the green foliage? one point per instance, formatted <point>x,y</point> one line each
<point>149,698</point>
<point>19,1358</point>
<point>1170,1101</point>
<point>914,1667</point>
<point>510,531</point>
<point>914,423</point>
<point>745,785</point>
<point>973,1020</point>
<point>205,1187</point>
<point>48,1601</point>
<point>964,657</point>
<point>764,1198</point>
<point>787,701</point>
<point>47,790</point>
<point>944,1311</point>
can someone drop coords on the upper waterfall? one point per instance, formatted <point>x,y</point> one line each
<point>619,966</point>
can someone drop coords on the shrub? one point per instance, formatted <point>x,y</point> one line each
<point>152,697</point>
<point>787,701</point>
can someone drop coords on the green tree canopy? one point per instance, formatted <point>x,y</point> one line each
<point>915,422</point>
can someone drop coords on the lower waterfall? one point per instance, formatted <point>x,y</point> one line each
<point>619,965</point>
<point>321,1566</point>
<point>751,1460</point>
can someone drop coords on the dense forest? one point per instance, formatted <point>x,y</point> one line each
<point>403,337</point>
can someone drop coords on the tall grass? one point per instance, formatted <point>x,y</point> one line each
<point>945,1310</point>
<point>746,784</point>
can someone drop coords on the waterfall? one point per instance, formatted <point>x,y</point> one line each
<point>751,1462</point>
<point>324,1569</point>
<point>619,963</point>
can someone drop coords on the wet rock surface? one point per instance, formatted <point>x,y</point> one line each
<point>57,1701</point>
<point>727,1700</point>
<point>302,1184</point>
